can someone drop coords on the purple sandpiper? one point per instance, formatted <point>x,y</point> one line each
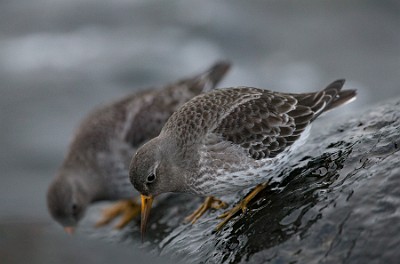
<point>225,141</point>
<point>96,165</point>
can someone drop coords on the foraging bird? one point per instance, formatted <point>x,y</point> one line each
<point>225,141</point>
<point>96,165</point>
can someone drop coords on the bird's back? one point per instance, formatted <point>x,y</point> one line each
<point>261,122</point>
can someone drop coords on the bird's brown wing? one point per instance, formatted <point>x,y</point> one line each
<point>266,126</point>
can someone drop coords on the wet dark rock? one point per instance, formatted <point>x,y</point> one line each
<point>339,203</point>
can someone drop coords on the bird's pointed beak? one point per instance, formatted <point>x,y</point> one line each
<point>69,230</point>
<point>146,207</point>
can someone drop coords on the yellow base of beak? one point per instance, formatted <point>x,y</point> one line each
<point>147,201</point>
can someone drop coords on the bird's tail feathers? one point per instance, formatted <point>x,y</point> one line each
<point>214,75</point>
<point>331,97</point>
<point>338,96</point>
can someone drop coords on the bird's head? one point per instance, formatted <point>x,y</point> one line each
<point>67,202</point>
<point>154,170</point>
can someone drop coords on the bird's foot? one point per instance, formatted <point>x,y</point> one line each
<point>127,208</point>
<point>209,203</point>
<point>241,206</point>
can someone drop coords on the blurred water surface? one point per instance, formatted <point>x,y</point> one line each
<point>59,59</point>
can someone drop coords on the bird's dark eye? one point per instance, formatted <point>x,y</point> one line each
<point>74,209</point>
<point>151,178</point>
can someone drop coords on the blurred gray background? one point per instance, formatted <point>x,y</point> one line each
<point>61,58</point>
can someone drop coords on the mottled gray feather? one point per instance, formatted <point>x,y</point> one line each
<point>261,122</point>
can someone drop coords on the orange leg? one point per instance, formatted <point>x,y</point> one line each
<point>127,208</point>
<point>241,206</point>
<point>209,203</point>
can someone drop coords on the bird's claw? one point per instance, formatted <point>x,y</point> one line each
<point>241,206</point>
<point>228,215</point>
<point>209,203</point>
<point>127,208</point>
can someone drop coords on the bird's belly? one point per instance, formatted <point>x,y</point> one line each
<point>225,182</point>
<point>230,178</point>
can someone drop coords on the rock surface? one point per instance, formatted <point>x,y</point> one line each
<point>339,203</point>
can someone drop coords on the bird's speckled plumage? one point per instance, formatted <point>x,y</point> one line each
<point>229,139</point>
<point>96,165</point>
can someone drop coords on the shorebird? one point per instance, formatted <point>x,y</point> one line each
<point>96,165</point>
<point>225,141</point>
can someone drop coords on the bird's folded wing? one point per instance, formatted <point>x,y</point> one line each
<point>266,126</point>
